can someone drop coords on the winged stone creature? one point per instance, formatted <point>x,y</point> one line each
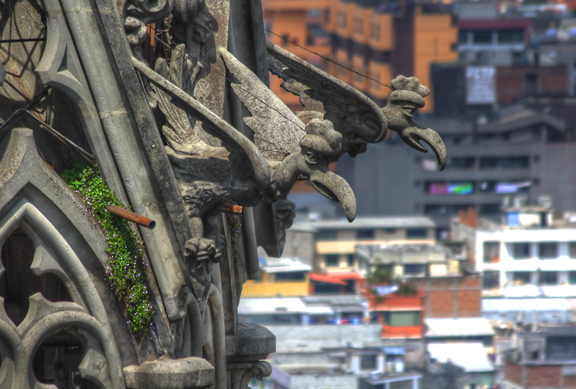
<point>354,115</point>
<point>293,150</point>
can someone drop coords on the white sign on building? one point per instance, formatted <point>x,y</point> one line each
<point>480,85</point>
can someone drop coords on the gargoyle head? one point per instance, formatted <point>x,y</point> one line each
<point>407,97</point>
<point>318,146</point>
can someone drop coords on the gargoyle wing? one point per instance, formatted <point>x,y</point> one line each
<point>212,123</point>
<point>350,110</point>
<point>346,107</point>
<point>277,131</point>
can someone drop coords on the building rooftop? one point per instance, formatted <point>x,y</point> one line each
<point>471,356</point>
<point>461,327</point>
<point>375,222</point>
<point>280,306</point>
<point>283,265</point>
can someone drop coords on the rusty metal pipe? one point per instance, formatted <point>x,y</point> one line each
<point>230,208</point>
<point>133,217</point>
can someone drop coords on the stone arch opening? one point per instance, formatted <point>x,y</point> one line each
<point>57,362</point>
<point>18,282</point>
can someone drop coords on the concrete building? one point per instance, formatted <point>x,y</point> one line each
<point>518,152</point>
<point>531,254</point>
<point>336,240</point>
<point>544,358</point>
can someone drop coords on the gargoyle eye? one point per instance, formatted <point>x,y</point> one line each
<point>311,157</point>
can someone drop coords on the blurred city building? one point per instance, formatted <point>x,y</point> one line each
<point>531,253</point>
<point>541,357</point>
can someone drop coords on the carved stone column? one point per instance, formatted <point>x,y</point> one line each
<point>244,354</point>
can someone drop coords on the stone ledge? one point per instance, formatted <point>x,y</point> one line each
<point>185,373</point>
<point>251,343</point>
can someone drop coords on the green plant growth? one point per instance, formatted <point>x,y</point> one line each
<point>126,268</point>
<point>384,275</point>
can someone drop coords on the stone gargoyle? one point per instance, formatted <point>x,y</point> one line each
<point>354,115</point>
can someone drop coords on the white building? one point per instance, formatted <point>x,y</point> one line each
<point>530,255</point>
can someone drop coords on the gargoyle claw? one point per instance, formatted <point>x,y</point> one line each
<point>413,135</point>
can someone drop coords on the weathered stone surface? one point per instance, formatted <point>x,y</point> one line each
<point>250,343</point>
<point>185,373</point>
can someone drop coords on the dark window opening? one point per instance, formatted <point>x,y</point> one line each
<point>56,362</point>
<point>365,234</point>
<point>549,278</point>
<point>533,355</point>
<point>531,83</point>
<point>351,260</point>
<point>572,248</point>
<point>490,163</point>
<point>18,282</point>
<point>332,260</point>
<point>521,250</point>
<point>416,233</point>
<point>482,37</point>
<point>414,270</point>
<point>489,209</point>
<point>326,235</point>
<point>560,348</point>
<point>490,280</point>
<point>521,277</point>
<point>390,230</point>
<point>463,37</point>
<point>461,163</point>
<point>572,277</point>
<point>368,362</point>
<point>491,252</point>
<point>511,36</point>
<point>290,276</point>
<point>548,250</point>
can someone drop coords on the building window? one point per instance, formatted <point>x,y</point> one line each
<point>390,230</point>
<point>290,276</point>
<point>572,277</point>
<point>285,39</point>
<point>548,250</point>
<point>521,278</point>
<point>327,16</point>
<point>416,233</point>
<point>365,234</point>
<point>332,260</point>
<point>510,36</point>
<point>326,235</point>
<point>351,260</point>
<point>341,21</point>
<point>531,83</point>
<point>375,31</point>
<point>463,37</point>
<point>414,270</point>
<point>549,278</point>
<point>482,37</point>
<point>368,362</point>
<point>521,250</point>
<point>572,249</point>
<point>491,252</point>
<point>490,280</point>
<point>504,163</point>
<point>402,319</point>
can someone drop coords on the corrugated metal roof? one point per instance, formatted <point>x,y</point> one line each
<point>375,222</point>
<point>471,356</point>
<point>461,327</point>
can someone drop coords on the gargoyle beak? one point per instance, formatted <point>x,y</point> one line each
<point>413,135</point>
<point>335,188</point>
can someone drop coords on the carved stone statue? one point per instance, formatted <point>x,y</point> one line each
<point>170,99</point>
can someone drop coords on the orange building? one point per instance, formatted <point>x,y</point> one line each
<point>381,46</point>
<point>374,42</point>
<point>402,317</point>
<point>299,22</point>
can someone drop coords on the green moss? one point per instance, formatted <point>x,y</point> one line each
<point>126,268</point>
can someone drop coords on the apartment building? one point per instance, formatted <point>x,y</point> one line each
<point>387,39</point>
<point>336,240</point>
<point>530,254</point>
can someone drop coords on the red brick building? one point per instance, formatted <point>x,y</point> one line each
<point>542,359</point>
<point>451,297</point>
